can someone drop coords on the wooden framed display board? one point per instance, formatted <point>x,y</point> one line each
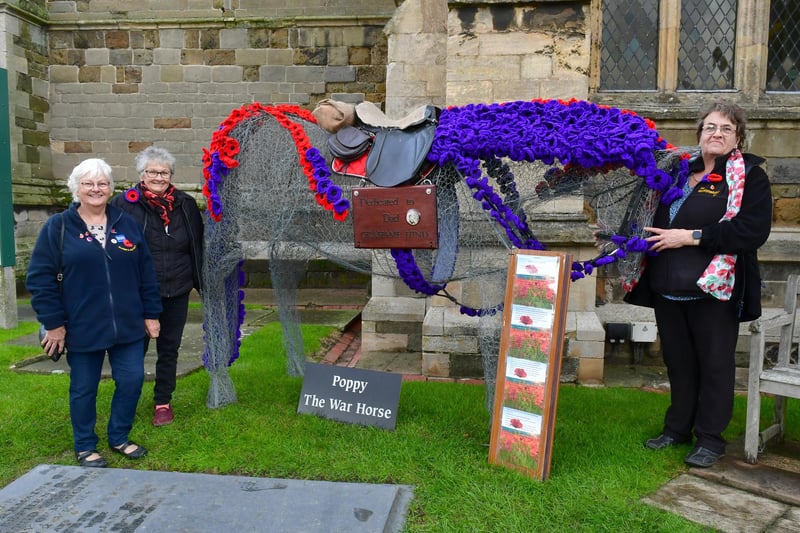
<point>529,363</point>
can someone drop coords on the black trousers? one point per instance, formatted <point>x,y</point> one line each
<point>698,343</point>
<point>172,320</point>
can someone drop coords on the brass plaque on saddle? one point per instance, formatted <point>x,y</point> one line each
<point>395,217</point>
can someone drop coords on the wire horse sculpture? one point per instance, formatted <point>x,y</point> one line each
<point>271,193</point>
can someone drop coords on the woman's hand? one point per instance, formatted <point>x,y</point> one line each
<point>152,326</point>
<point>664,239</point>
<point>55,340</point>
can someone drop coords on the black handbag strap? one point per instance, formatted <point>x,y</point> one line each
<point>60,275</point>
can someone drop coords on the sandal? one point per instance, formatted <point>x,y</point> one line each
<point>83,459</point>
<point>138,451</point>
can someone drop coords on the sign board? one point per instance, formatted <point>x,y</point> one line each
<point>352,395</point>
<point>529,363</point>
<point>395,217</point>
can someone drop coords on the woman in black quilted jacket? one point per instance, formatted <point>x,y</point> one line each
<point>173,227</point>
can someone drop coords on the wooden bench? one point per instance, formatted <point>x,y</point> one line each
<point>782,380</point>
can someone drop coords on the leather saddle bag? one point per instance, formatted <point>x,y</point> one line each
<point>349,143</point>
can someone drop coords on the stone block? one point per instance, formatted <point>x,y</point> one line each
<point>590,371</point>
<point>510,90</point>
<point>219,57</point>
<point>571,323</point>
<point>434,322</point>
<point>172,123</point>
<point>195,74</point>
<point>251,56</point>
<point>280,57</point>
<point>172,73</point>
<point>89,74</point>
<point>786,211</point>
<point>569,370</point>
<point>397,326</point>
<point>120,58</point>
<point>96,56</point>
<point>171,38</point>
<point>467,92</point>
<point>436,364</point>
<point>586,349</point>
<point>513,43</point>
<point>565,89</point>
<point>192,57</point>
<point>233,38</point>
<point>299,73</point>
<point>457,323</point>
<point>272,73</point>
<point>108,74</point>
<point>226,74</point>
<point>117,39</point>
<point>495,69</point>
<point>784,171</point>
<point>384,342</point>
<point>466,366</point>
<point>340,74</point>
<point>588,327</point>
<point>166,56</point>
<point>77,147</point>
<point>536,67</point>
<point>419,49</point>
<point>453,344</point>
<point>394,309</point>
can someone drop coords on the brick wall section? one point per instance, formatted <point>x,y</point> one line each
<point>173,86</point>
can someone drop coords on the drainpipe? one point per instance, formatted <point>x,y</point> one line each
<point>8,287</point>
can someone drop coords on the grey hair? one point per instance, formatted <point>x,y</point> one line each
<point>154,154</point>
<point>88,168</point>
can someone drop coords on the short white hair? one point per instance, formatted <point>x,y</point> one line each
<point>154,154</point>
<point>89,168</point>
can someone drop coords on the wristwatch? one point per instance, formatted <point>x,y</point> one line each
<point>697,235</point>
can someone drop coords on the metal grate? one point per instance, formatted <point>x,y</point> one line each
<point>629,53</point>
<point>707,43</point>
<point>783,60</point>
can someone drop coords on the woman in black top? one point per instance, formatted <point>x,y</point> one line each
<point>173,227</point>
<point>705,279</point>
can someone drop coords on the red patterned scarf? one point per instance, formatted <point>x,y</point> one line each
<point>162,204</point>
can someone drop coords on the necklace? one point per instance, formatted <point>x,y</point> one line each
<point>93,220</point>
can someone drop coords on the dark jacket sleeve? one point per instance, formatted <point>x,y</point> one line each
<point>750,228</point>
<point>41,279</point>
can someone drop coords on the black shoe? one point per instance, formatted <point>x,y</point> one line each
<point>137,452</point>
<point>702,457</point>
<point>83,459</point>
<point>661,442</point>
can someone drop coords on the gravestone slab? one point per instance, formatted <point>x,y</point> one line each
<point>71,498</point>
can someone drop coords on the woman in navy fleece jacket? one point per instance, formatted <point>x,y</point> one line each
<point>107,302</point>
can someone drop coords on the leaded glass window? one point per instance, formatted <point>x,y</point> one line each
<point>783,63</point>
<point>706,45</point>
<point>629,54</point>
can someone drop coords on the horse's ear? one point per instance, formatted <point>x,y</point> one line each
<point>332,115</point>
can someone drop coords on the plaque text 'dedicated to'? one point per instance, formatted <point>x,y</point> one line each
<point>395,217</point>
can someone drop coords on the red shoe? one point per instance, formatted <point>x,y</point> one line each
<point>163,416</point>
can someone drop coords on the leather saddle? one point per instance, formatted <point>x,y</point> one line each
<point>393,152</point>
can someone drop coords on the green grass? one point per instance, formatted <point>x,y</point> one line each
<point>600,470</point>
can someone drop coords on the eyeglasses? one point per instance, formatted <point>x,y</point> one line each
<point>725,129</point>
<point>89,185</point>
<point>158,173</point>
